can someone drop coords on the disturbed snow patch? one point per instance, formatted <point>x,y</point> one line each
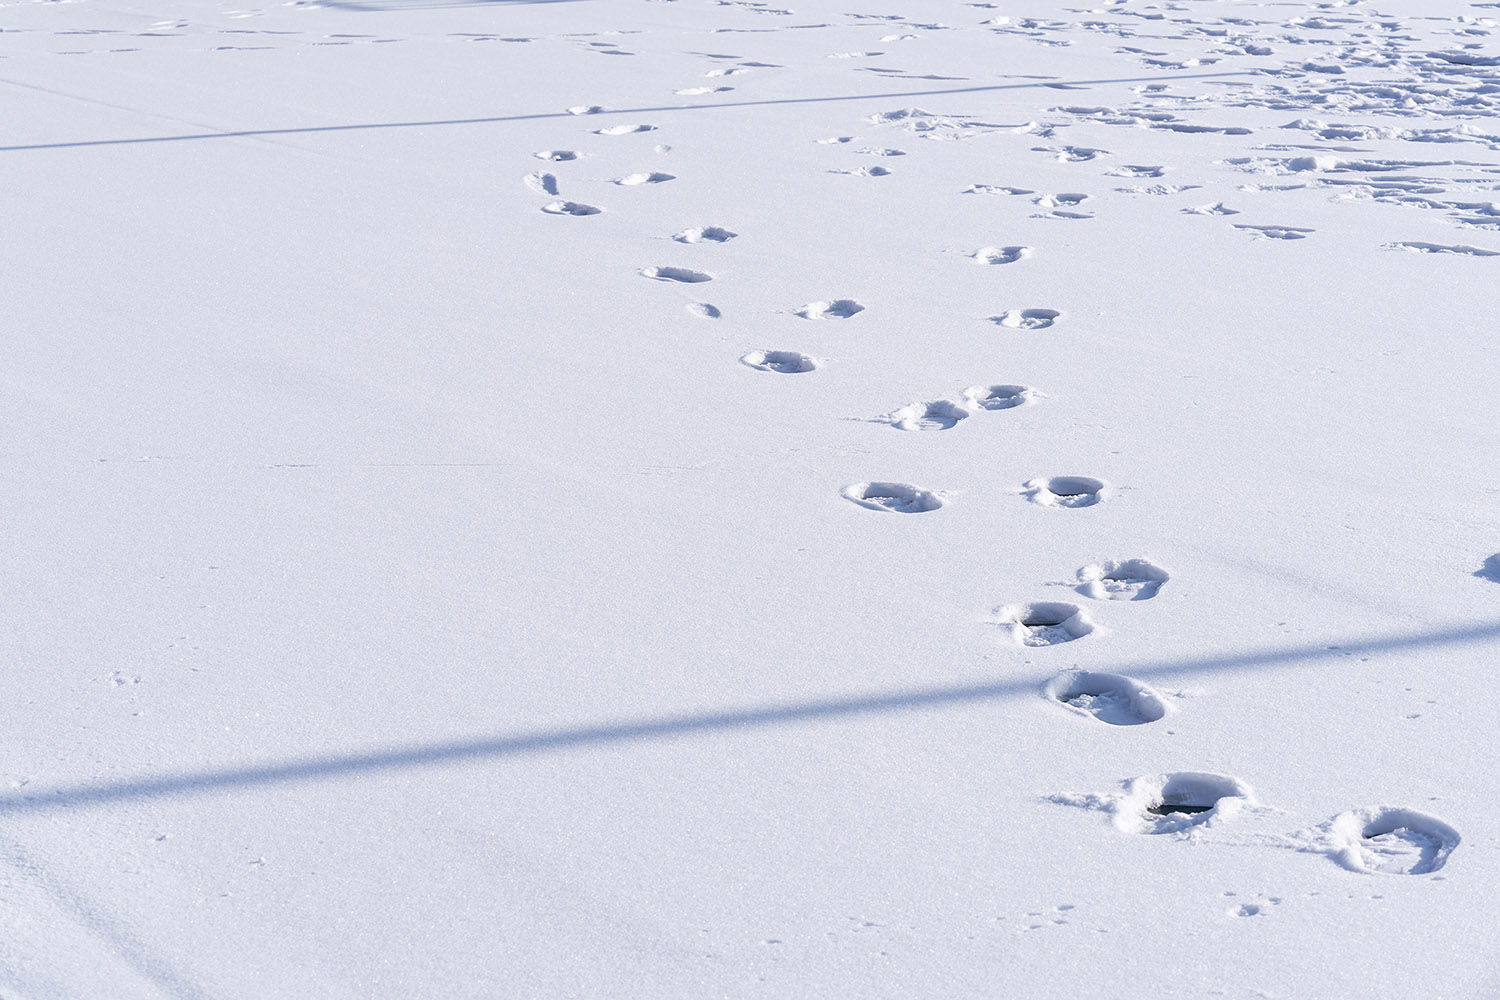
<point>1046,623</point>
<point>1066,491</point>
<point>898,498</point>
<point>1122,580</point>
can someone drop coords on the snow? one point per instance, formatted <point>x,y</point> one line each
<point>406,597</point>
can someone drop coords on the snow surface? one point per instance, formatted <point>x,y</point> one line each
<point>422,579</point>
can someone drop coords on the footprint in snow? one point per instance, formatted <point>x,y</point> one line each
<point>624,129</point>
<point>864,172</point>
<point>998,397</point>
<point>783,362</point>
<point>1066,491</point>
<point>937,415</point>
<point>835,309</point>
<point>1172,803</point>
<point>1047,623</point>
<point>586,109</point>
<point>570,208</point>
<point>1388,839</point>
<point>703,310</point>
<point>699,91</point>
<point>996,189</point>
<point>704,234</point>
<point>1112,698</point>
<point>680,274</point>
<point>1000,255</point>
<point>1463,250</point>
<point>1068,199</point>
<point>635,180</point>
<point>1136,170</point>
<point>556,155</point>
<point>1217,208</point>
<point>898,498</point>
<point>1277,232</point>
<point>542,183</point>
<point>1027,319</point>
<point>1121,580</point>
<point>836,140</point>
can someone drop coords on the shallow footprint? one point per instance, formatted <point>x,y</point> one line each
<point>1046,623</point>
<point>1000,255</point>
<point>556,155</point>
<point>834,309</point>
<point>682,274</point>
<point>1112,698</point>
<point>937,415</point>
<point>624,129</point>
<point>1067,491</point>
<point>704,310</point>
<point>704,234</point>
<point>635,180</point>
<point>785,362</point>
<point>898,498</point>
<point>1027,319</point>
<point>1391,840</point>
<point>570,208</point>
<point>998,397</point>
<point>1123,580</point>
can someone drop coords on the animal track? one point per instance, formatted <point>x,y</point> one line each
<point>635,180</point>
<point>899,498</point>
<point>1027,319</point>
<point>1066,491</point>
<point>785,362</point>
<point>836,309</point>
<point>1390,840</point>
<point>1172,803</point>
<point>556,155</point>
<point>1277,232</point>
<point>705,234</point>
<point>1126,580</point>
<point>1112,698</point>
<point>542,183</point>
<point>998,397</point>
<point>1047,623</point>
<point>570,208</point>
<point>681,274</point>
<point>1000,255</point>
<point>937,415</point>
<point>624,129</point>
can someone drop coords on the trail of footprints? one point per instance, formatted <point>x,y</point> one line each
<point>1381,839</point>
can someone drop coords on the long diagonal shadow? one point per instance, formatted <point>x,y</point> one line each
<point>313,129</point>
<point>556,740</point>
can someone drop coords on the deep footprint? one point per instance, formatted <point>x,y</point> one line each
<point>785,362</point>
<point>570,208</point>
<point>998,397</point>
<point>636,180</point>
<point>1171,803</point>
<point>1000,255</point>
<point>1046,623</point>
<point>1027,319</point>
<point>936,415</point>
<point>897,498</point>
<point>682,274</point>
<point>836,309</point>
<point>1391,840</point>
<point>704,234</point>
<point>1066,491</point>
<point>1123,580</point>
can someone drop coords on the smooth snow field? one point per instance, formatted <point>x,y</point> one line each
<point>685,499</point>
